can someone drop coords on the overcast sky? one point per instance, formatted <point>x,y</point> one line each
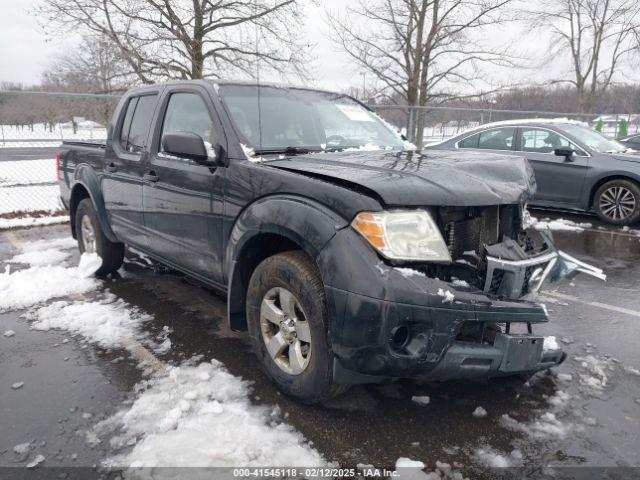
<point>25,50</point>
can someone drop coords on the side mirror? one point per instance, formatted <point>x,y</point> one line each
<point>190,145</point>
<point>565,152</point>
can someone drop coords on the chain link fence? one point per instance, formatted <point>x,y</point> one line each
<point>33,124</point>
<point>442,122</point>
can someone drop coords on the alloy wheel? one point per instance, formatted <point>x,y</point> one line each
<point>88,234</point>
<point>285,330</point>
<point>617,203</point>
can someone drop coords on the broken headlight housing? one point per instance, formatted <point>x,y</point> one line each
<point>410,235</point>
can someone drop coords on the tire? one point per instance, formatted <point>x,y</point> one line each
<point>618,202</point>
<point>291,278</point>
<point>87,224</point>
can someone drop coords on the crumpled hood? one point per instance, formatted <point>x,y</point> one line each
<point>429,178</point>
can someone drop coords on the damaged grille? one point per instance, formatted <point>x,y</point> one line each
<point>490,250</point>
<point>468,230</point>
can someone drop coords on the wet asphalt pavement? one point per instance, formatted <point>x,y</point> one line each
<point>69,385</point>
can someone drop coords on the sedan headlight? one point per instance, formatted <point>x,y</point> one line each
<point>403,235</point>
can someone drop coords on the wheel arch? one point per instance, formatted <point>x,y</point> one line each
<point>267,227</point>
<point>87,185</point>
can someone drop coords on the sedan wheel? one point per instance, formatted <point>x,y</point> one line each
<point>285,331</point>
<point>618,203</point>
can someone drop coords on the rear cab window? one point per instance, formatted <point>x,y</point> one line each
<point>136,123</point>
<point>495,139</point>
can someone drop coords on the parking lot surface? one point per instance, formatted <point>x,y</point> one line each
<point>59,387</point>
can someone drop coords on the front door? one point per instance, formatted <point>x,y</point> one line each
<point>123,170</point>
<point>183,199</point>
<point>559,181</point>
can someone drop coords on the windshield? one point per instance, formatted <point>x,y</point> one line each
<point>290,119</point>
<point>594,140</point>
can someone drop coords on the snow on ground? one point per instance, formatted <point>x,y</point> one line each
<point>421,399</point>
<point>559,224</point>
<point>9,223</point>
<point>29,198</point>
<point>40,135</point>
<point>26,172</point>
<point>550,343</point>
<point>489,457</point>
<point>186,415</point>
<point>200,416</point>
<point>598,370</point>
<point>110,322</point>
<point>479,412</point>
<point>24,288</point>
<point>38,258</point>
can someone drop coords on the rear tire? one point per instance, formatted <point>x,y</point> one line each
<point>286,308</point>
<point>92,239</point>
<point>618,202</point>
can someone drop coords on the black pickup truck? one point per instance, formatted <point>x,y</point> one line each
<point>349,256</point>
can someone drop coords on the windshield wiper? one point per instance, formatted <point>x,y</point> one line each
<point>290,150</point>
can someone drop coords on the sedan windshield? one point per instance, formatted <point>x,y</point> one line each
<point>594,140</point>
<point>294,120</point>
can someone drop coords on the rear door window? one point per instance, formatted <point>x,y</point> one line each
<point>140,123</point>
<point>497,139</point>
<point>126,123</point>
<point>469,142</point>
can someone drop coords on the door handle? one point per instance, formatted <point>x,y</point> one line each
<point>110,167</point>
<point>150,177</point>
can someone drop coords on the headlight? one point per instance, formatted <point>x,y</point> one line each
<point>403,235</point>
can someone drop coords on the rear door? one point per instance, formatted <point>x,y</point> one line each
<point>124,168</point>
<point>183,199</point>
<point>559,182</point>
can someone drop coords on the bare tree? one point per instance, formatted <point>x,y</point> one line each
<point>190,39</point>
<point>95,66</point>
<point>421,50</point>
<point>596,35</point>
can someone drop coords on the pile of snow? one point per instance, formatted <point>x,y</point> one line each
<point>550,343</point>
<point>559,225</point>
<point>421,399</point>
<point>546,426</point>
<point>409,272</point>
<point>34,285</point>
<point>35,258</point>
<point>447,296</point>
<point>479,412</point>
<point>489,457</point>
<point>201,416</point>
<point>408,469</point>
<point>108,323</point>
<point>597,377</point>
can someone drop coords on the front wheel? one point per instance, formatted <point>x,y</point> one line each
<point>287,319</point>
<point>618,202</point>
<point>91,239</point>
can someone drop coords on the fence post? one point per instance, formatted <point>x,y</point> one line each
<point>410,135</point>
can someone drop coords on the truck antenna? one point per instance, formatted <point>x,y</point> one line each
<point>258,78</point>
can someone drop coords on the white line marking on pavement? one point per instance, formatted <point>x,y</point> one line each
<point>606,306</point>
